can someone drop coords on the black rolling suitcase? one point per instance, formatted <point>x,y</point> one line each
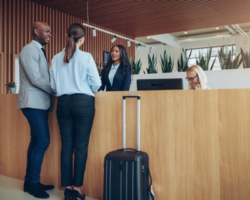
<point>126,171</point>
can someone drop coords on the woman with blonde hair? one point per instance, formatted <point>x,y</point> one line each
<point>197,79</point>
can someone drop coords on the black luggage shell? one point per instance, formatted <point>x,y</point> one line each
<point>126,175</point>
<point>126,170</point>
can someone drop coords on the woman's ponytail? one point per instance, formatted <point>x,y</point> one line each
<point>75,32</point>
<point>70,49</point>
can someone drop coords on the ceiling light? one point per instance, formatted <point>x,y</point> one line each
<point>217,28</point>
<point>150,50</point>
<point>113,39</point>
<point>138,46</point>
<point>148,37</point>
<point>185,32</point>
<point>116,35</point>
<point>128,43</point>
<point>93,32</point>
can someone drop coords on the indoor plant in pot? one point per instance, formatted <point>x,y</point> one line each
<point>135,66</point>
<point>245,58</point>
<point>151,64</point>
<point>167,63</point>
<point>99,67</point>
<point>182,62</point>
<point>11,86</point>
<point>227,60</point>
<point>203,61</point>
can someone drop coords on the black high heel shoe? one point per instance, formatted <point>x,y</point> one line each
<point>67,194</point>
<point>76,195</point>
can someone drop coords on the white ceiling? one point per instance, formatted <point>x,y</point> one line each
<point>207,33</point>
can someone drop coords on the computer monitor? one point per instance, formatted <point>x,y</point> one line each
<point>160,84</point>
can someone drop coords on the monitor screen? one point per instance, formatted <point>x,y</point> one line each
<point>160,84</point>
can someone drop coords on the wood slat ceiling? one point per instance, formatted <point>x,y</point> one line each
<point>141,18</point>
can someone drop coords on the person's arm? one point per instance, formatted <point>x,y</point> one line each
<point>30,65</point>
<point>93,76</point>
<point>101,89</point>
<point>52,77</point>
<point>126,79</point>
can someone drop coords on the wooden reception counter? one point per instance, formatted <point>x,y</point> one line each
<point>198,142</point>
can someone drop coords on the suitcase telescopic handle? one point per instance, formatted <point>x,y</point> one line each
<point>131,96</point>
<point>138,119</point>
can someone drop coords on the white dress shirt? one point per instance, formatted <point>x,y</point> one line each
<point>79,76</point>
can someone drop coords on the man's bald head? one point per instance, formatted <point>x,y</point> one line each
<point>41,32</point>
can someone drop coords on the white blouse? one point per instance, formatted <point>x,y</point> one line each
<point>79,76</point>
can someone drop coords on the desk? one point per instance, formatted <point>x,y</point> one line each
<point>198,142</point>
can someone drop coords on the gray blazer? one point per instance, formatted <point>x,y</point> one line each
<point>35,89</point>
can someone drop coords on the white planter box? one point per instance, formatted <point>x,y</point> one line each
<point>219,79</point>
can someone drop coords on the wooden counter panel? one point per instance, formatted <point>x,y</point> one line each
<point>198,142</point>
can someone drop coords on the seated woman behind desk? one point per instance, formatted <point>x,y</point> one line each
<point>116,75</point>
<point>197,79</point>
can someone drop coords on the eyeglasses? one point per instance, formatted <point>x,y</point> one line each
<point>191,79</point>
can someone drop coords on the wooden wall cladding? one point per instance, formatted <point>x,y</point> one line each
<point>2,72</point>
<point>16,18</point>
<point>198,142</point>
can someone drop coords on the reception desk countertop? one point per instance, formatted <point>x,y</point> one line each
<point>198,142</point>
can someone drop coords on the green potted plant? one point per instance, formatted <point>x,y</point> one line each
<point>167,63</point>
<point>135,66</point>
<point>203,61</point>
<point>11,86</point>
<point>182,62</point>
<point>226,59</point>
<point>245,58</point>
<point>151,64</point>
<point>99,67</point>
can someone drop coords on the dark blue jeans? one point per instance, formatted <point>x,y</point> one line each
<point>39,142</point>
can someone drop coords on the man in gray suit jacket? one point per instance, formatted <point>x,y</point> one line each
<point>35,100</point>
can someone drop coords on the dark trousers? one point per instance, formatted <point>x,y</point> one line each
<point>39,142</point>
<point>75,114</point>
